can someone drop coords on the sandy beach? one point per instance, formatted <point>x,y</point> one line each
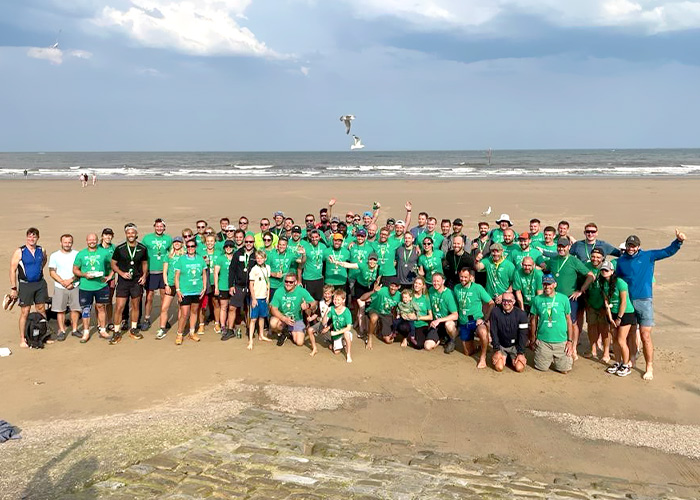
<point>422,397</point>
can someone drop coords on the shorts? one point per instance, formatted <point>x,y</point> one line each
<point>35,292</point>
<point>260,310</point>
<point>172,293</point>
<point>442,331</point>
<point>63,299</point>
<point>155,282</point>
<point>315,288</point>
<point>596,317</point>
<point>239,297</point>
<point>509,352</point>
<point>628,319</point>
<point>384,322</point>
<point>406,327</point>
<point>644,311</point>
<point>87,297</point>
<point>128,288</point>
<point>466,332</point>
<point>188,300</point>
<point>548,353</point>
<point>359,291</point>
<point>423,334</point>
<point>224,295</point>
<point>298,326</point>
<point>574,308</point>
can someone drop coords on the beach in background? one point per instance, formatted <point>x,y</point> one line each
<point>424,397</point>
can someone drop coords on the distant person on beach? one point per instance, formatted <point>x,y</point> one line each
<point>27,279</point>
<point>26,173</point>
<point>84,180</point>
<point>94,178</point>
<point>636,267</point>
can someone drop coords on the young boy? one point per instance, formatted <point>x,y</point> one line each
<point>340,324</point>
<point>406,312</point>
<point>259,297</point>
<point>319,319</point>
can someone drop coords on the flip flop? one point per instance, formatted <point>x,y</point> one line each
<point>6,301</point>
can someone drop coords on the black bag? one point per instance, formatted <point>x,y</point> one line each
<point>36,331</point>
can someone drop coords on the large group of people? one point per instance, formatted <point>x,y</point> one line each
<point>326,280</point>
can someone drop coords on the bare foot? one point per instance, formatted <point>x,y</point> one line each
<point>49,341</point>
<point>23,344</point>
<point>264,338</point>
<point>349,360</point>
<point>575,357</point>
<point>404,342</point>
<point>649,374</point>
<point>605,359</point>
<point>250,346</point>
<point>482,364</point>
<point>313,352</point>
<point>368,346</point>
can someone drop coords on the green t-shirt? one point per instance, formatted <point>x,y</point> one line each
<point>281,263</point>
<point>222,278</point>
<point>191,269</point>
<point>170,278</point>
<point>359,254</point>
<point>496,235</point>
<point>158,247</point>
<point>97,261</point>
<point>437,239</point>
<point>551,313</point>
<point>470,300</point>
<point>443,303</point>
<point>383,302</point>
<point>499,277</point>
<point>528,284</point>
<point>517,255</point>
<point>508,249</point>
<point>387,258</point>
<point>289,303</point>
<point>537,240</point>
<point>210,259</point>
<point>432,264</point>
<point>594,296</point>
<point>339,321</point>
<point>422,304</point>
<point>614,301</point>
<point>545,248</point>
<point>566,271</point>
<point>313,267</point>
<point>335,274</point>
<point>366,276</point>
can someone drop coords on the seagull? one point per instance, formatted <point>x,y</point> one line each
<point>347,119</point>
<point>487,211</point>
<point>357,144</point>
<point>55,45</point>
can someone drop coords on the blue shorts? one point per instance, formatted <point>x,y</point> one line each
<point>574,308</point>
<point>644,310</point>
<point>100,296</point>
<point>299,326</point>
<point>466,332</point>
<point>155,282</point>
<point>260,310</point>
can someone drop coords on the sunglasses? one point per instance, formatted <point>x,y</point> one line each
<point>209,233</point>
<point>427,243</point>
<point>201,227</point>
<point>591,231</point>
<point>191,246</point>
<point>508,301</point>
<point>248,241</point>
<point>267,239</point>
<point>186,235</point>
<point>309,220</point>
<point>243,222</point>
<point>287,282</point>
<point>264,224</point>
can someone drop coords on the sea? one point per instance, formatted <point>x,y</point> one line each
<point>355,164</point>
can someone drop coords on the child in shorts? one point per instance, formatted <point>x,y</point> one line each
<point>319,319</point>
<point>406,312</point>
<point>340,325</point>
<point>259,297</point>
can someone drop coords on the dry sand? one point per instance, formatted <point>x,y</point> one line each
<point>427,397</point>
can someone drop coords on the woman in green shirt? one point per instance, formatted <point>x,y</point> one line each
<point>596,313</point>
<point>191,286</point>
<point>425,337</point>
<point>621,316</point>
<point>175,252</point>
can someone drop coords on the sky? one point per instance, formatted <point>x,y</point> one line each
<point>276,75</point>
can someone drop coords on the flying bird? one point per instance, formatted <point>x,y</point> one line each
<point>487,211</point>
<point>357,143</point>
<point>347,120</point>
<point>55,44</point>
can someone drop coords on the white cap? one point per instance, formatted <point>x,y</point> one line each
<point>400,222</point>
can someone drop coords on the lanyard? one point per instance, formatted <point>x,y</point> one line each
<point>550,309</point>
<point>131,255</point>
<point>585,247</point>
<point>561,266</point>
<point>406,257</point>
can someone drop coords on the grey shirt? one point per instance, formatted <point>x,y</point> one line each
<point>406,264</point>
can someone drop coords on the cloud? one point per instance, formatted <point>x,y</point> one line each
<point>194,27</point>
<point>650,16</point>
<point>56,55</point>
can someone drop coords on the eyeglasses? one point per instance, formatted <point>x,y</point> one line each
<point>289,282</point>
<point>264,224</point>
<point>308,220</point>
<point>591,231</point>
<point>186,235</point>
<point>267,239</point>
<point>201,227</point>
<point>191,246</point>
<point>508,301</point>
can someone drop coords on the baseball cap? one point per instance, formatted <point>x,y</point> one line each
<point>337,236</point>
<point>524,236</point>
<point>563,242</point>
<point>178,238</point>
<point>400,222</point>
<point>279,212</point>
<point>457,222</point>
<point>496,246</point>
<point>360,232</point>
<point>335,219</point>
<point>367,214</point>
<point>323,211</point>
<point>633,240</point>
<point>283,238</point>
<point>606,266</point>
<point>230,227</point>
<point>229,243</point>
<point>296,229</point>
<point>391,220</point>
<point>548,278</point>
<point>108,230</point>
<point>373,256</point>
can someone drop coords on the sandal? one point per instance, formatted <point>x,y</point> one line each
<point>85,338</point>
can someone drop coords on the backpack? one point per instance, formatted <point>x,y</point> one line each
<point>36,331</point>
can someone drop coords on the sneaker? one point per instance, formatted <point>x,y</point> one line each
<point>449,346</point>
<point>61,336</point>
<point>193,336</point>
<point>76,333</point>
<point>624,370</point>
<point>227,334</point>
<point>281,338</point>
<point>116,338</point>
<point>145,325</point>
<point>178,339</point>
<point>110,327</point>
<point>160,334</point>
<point>613,368</point>
<point>239,333</point>
<point>134,333</point>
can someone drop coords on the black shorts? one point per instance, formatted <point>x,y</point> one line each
<point>172,293</point>
<point>188,300</point>
<point>384,324</point>
<point>628,319</point>
<point>360,290</point>
<point>424,333</point>
<point>240,297</point>
<point>315,288</point>
<point>128,288</point>
<point>35,292</point>
<point>87,297</point>
<point>155,282</point>
<point>224,295</point>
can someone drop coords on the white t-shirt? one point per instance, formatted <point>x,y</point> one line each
<point>63,264</point>
<point>260,276</point>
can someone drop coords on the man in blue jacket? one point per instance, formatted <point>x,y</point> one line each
<point>636,267</point>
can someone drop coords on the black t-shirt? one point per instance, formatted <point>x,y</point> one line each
<point>453,264</point>
<point>131,258</point>
<point>508,330</point>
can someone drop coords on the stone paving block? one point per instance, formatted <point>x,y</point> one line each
<point>162,461</point>
<point>243,449</point>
